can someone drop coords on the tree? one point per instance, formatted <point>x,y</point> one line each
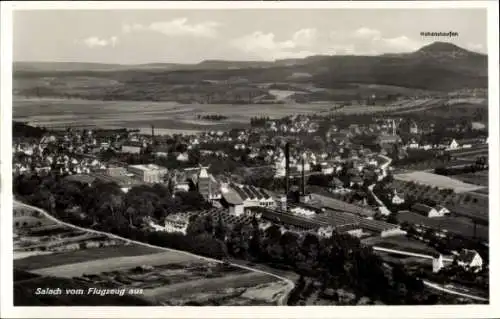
<point>290,243</point>
<point>255,239</point>
<point>393,218</point>
<point>219,229</point>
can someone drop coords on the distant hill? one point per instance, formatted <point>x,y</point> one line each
<point>445,49</point>
<point>439,66</point>
<point>83,66</point>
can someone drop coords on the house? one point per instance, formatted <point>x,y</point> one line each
<point>326,169</point>
<point>413,128</point>
<point>425,210</point>
<point>384,211</point>
<point>148,173</point>
<point>231,199</point>
<point>182,157</point>
<point>451,145</point>
<point>426,147</point>
<point>161,151</point>
<point>437,263</point>
<point>131,147</point>
<point>413,144</point>
<point>396,199</point>
<point>356,180</point>
<point>384,140</point>
<point>302,211</point>
<point>336,183</point>
<point>469,259</point>
<point>442,210</point>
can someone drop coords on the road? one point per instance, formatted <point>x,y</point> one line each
<point>387,163</point>
<point>453,292</point>
<point>407,253</point>
<point>428,283</point>
<point>281,302</point>
<point>384,167</point>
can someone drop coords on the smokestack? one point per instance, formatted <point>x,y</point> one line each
<point>303,176</point>
<point>152,134</point>
<point>287,168</point>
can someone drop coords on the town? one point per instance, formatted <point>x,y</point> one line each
<point>342,200</point>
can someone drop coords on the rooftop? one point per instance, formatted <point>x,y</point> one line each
<point>147,167</point>
<point>467,255</point>
<point>231,197</point>
<point>132,144</point>
<point>422,208</point>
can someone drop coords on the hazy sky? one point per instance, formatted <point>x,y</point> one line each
<point>190,36</point>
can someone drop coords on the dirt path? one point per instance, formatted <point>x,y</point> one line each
<point>281,301</point>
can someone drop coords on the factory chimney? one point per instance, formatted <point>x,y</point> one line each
<point>287,169</point>
<point>152,134</point>
<point>303,176</point>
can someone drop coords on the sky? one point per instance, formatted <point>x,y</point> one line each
<point>191,36</point>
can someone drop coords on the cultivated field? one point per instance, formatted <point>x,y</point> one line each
<point>478,178</point>
<point>113,264</point>
<point>473,205</point>
<point>79,256</point>
<point>168,115</point>
<point>166,277</point>
<point>455,225</point>
<point>61,113</point>
<point>197,289</point>
<point>439,181</point>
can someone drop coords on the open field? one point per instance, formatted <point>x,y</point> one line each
<point>439,181</point>
<point>58,259</point>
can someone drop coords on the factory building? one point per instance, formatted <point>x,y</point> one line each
<point>239,197</point>
<point>149,173</point>
<point>205,183</point>
<point>132,147</point>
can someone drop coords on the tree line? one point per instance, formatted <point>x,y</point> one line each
<point>213,117</point>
